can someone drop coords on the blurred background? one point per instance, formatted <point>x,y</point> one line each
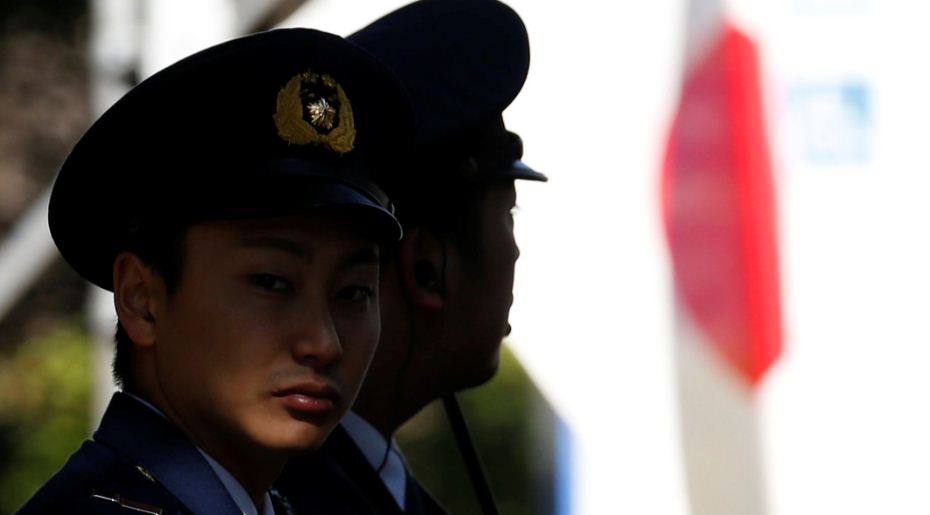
<point>720,303</point>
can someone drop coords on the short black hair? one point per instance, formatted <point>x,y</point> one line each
<point>162,249</point>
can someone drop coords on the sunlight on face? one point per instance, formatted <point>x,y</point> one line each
<point>269,334</point>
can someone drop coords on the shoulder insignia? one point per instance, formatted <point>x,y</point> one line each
<point>145,473</point>
<point>135,506</point>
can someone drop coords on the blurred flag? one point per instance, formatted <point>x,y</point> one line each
<point>719,209</point>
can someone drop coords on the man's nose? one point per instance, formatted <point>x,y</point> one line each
<point>315,341</point>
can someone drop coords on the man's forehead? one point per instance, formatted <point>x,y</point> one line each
<point>303,236</point>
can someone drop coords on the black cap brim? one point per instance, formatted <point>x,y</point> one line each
<point>519,170</point>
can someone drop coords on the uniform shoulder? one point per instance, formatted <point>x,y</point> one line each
<point>98,480</point>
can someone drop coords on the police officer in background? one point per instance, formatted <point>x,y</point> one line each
<point>446,289</point>
<point>230,204</point>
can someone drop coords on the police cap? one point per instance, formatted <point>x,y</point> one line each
<point>462,62</point>
<point>282,122</point>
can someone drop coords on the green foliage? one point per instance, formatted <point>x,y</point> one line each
<point>511,425</point>
<point>44,410</point>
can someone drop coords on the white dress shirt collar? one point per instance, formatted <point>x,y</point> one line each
<point>373,446</point>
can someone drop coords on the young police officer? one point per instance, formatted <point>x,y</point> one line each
<point>230,204</point>
<point>447,288</point>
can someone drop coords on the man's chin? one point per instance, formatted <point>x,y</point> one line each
<point>299,437</point>
<point>480,375</point>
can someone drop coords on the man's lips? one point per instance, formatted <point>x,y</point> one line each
<point>309,399</point>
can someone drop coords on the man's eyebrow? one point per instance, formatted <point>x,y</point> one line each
<point>276,243</point>
<point>364,256</point>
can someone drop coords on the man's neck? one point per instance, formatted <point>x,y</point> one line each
<point>255,476</point>
<point>382,407</point>
<point>388,401</point>
<point>392,395</point>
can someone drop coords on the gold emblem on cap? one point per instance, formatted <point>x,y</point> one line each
<point>313,108</point>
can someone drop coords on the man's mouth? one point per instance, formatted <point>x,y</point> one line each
<point>310,399</point>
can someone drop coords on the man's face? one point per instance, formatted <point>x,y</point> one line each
<point>266,339</point>
<point>486,286</point>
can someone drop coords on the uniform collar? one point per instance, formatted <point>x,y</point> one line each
<point>233,486</point>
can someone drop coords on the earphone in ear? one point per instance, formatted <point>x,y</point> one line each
<point>425,274</point>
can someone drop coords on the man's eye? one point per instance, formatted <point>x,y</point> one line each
<point>355,294</point>
<point>271,282</point>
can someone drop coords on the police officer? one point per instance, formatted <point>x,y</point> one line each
<point>447,287</point>
<point>230,204</point>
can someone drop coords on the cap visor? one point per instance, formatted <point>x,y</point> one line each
<point>299,195</point>
<point>519,170</point>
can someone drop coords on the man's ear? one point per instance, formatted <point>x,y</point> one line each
<point>421,268</point>
<point>138,293</point>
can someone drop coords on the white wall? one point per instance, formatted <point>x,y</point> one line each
<point>845,422</point>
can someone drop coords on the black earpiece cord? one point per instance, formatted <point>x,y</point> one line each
<point>467,449</point>
<point>398,381</point>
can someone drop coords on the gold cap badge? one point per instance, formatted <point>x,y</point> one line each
<point>313,108</point>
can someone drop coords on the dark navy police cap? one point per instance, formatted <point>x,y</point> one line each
<point>462,62</point>
<point>282,122</point>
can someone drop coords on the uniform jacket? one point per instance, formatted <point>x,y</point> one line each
<point>136,463</point>
<point>338,480</point>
